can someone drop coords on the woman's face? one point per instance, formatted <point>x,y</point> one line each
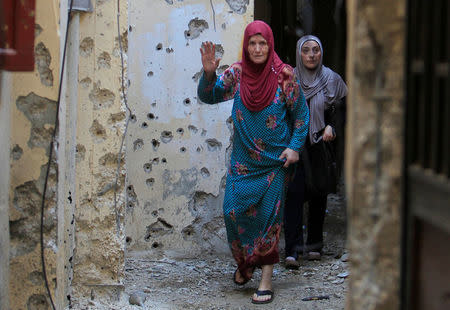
<point>311,54</point>
<point>258,49</point>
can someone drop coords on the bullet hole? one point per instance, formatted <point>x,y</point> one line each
<point>203,132</point>
<point>166,136</point>
<point>197,76</point>
<point>43,60</point>
<point>128,240</point>
<point>155,144</point>
<point>16,152</point>
<point>187,231</point>
<point>144,125</point>
<point>151,116</point>
<point>138,145</point>
<point>130,188</point>
<point>150,182</point>
<point>222,69</point>
<point>154,104</point>
<point>196,27</point>
<point>192,129</point>
<point>86,82</point>
<point>155,213</point>
<point>147,167</point>
<point>150,73</point>
<point>213,144</point>
<point>205,172</point>
<point>183,149</point>
<point>37,302</point>
<point>129,83</point>
<point>169,50</point>
<point>180,131</point>
<point>70,197</point>
<point>224,26</point>
<point>133,118</point>
<point>116,117</point>
<point>155,161</point>
<point>101,97</point>
<point>97,131</point>
<point>155,245</point>
<point>130,205</point>
<point>219,51</point>
<point>86,47</point>
<point>130,28</point>
<point>104,60</point>
<point>37,30</point>
<point>169,1</point>
<point>159,46</point>
<point>199,149</point>
<point>187,101</point>
<point>164,160</point>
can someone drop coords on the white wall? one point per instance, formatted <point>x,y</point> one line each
<point>174,204</point>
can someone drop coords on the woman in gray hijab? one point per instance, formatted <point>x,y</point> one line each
<point>323,89</point>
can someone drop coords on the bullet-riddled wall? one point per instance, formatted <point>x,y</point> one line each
<point>177,146</point>
<point>32,105</point>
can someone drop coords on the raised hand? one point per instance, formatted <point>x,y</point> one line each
<point>209,61</point>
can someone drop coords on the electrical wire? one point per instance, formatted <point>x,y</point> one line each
<point>119,155</point>
<point>50,155</point>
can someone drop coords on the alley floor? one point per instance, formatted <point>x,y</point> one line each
<point>206,282</point>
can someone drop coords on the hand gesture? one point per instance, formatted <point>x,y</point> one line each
<point>209,61</point>
<point>291,157</point>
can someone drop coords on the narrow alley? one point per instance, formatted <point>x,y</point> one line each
<point>206,282</point>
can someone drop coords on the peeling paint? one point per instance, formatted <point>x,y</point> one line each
<point>86,47</point>
<point>196,27</point>
<point>213,144</point>
<point>80,152</point>
<point>86,82</point>
<point>101,98</point>
<point>104,60</point>
<point>43,59</point>
<point>97,131</point>
<point>41,112</point>
<point>16,152</point>
<point>238,6</point>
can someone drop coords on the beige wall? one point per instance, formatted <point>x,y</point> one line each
<point>375,66</point>
<point>33,105</point>
<point>98,259</point>
<point>177,147</point>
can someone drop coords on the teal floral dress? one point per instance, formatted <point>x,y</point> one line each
<point>256,179</point>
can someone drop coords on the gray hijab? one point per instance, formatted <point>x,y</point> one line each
<point>321,86</point>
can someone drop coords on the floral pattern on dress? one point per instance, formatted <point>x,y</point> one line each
<point>241,169</point>
<point>260,144</point>
<point>299,123</point>
<point>239,116</point>
<point>255,155</point>
<point>251,212</point>
<point>271,121</point>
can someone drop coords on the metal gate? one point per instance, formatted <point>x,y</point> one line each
<point>426,271</point>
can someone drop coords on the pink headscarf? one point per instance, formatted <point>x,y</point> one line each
<point>259,82</point>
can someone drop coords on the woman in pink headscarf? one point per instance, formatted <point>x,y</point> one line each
<point>270,121</point>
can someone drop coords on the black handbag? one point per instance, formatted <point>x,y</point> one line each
<point>320,168</point>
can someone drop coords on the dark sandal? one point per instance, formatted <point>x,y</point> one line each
<point>263,293</point>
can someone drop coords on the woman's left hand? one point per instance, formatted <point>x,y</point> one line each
<point>290,155</point>
<point>328,134</point>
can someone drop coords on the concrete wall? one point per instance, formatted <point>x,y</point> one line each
<point>375,73</point>
<point>32,103</point>
<point>98,255</point>
<point>177,146</point>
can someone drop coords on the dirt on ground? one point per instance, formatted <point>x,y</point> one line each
<point>206,282</point>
